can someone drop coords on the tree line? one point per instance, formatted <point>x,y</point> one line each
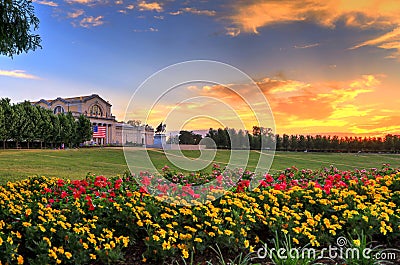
<point>25,125</point>
<point>259,138</point>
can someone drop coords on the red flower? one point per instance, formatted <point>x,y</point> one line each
<point>143,190</point>
<point>60,182</point>
<point>269,178</point>
<point>118,183</point>
<point>100,181</point>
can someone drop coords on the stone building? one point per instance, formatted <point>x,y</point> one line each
<point>99,113</point>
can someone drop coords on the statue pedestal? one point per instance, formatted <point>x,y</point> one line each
<point>159,140</point>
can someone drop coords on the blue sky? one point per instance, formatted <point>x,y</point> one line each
<point>325,67</point>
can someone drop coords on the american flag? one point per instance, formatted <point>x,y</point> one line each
<point>99,131</point>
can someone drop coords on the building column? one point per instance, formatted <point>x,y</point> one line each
<point>110,133</point>
<point>106,139</point>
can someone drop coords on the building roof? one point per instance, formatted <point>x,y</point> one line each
<point>80,99</point>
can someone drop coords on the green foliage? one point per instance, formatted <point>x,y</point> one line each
<point>238,260</point>
<point>83,130</point>
<point>25,123</point>
<point>186,137</point>
<point>17,19</point>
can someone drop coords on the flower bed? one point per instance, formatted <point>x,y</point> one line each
<point>97,220</point>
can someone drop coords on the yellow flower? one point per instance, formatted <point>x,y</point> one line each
<point>47,241</point>
<point>20,259</point>
<point>68,255</point>
<point>92,256</point>
<point>197,239</point>
<point>228,232</point>
<point>356,242</point>
<point>156,238</point>
<point>246,243</point>
<point>26,224</point>
<point>185,253</point>
<point>28,212</point>
<point>166,245</point>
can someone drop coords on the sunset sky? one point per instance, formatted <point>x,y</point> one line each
<point>329,67</point>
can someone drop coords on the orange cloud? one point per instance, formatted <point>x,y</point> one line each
<point>76,13</point>
<point>46,3</point>
<point>91,21</point>
<point>17,74</point>
<point>298,107</point>
<point>154,6</point>
<point>384,15</point>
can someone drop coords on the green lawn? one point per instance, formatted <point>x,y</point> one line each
<point>17,164</point>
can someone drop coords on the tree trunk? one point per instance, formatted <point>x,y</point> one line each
<point>4,144</point>
<point>28,144</point>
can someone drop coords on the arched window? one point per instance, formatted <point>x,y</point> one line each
<point>58,109</point>
<point>95,110</point>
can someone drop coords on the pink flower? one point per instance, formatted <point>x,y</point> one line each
<point>146,181</point>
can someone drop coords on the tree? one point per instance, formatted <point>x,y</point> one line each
<point>83,130</point>
<point>32,126</point>
<point>45,125</point>
<point>55,130</point>
<point>17,18</point>
<point>20,123</point>
<point>285,142</point>
<point>186,137</point>
<point>8,124</point>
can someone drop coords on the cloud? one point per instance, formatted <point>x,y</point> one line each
<point>231,31</point>
<point>195,11</point>
<point>151,29</point>
<point>251,15</point>
<point>91,21</point>
<point>176,13</point>
<point>388,41</point>
<point>199,12</point>
<point>306,46</point>
<point>153,6</point>
<point>382,16</point>
<point>130,7</point>
<point>296,104</point>
<point>76,13</point>
<point>87,2</point>
<point>118,2</point>
<point>18,74</point>
<point>46,3</point>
